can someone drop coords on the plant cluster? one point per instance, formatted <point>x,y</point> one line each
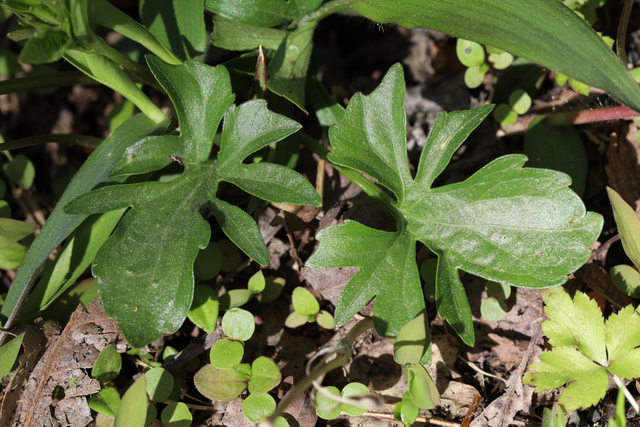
<point>140,210</point>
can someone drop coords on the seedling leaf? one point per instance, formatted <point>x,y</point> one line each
<point>304,303</point>
<point>512,225</point>
<point>586,349</point>
<point>352,390</point>
<point>176,414</point>
<point>265,375</point>
<point>159,384</point>
<point>108,365</point>
<point>327,408</point>
<point>257,407</point>
<point>132,409</point>
<point>105,402</point>
<point>204,308</point>
<point>226,353</point>
<point>8,355</point>
<point>238,324</point>
<point>220,384</point>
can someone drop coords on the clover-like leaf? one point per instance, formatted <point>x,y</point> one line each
<point>586,349</point>
<point>523,227</point>
<point>145,268</point>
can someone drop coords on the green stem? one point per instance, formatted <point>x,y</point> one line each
<point>324,10</point>
<point>325,367</point>
<point>622,31</point>
<point>71,138</point>
<point>103,13</point>
<point>29,83</point>
<point>357,178</point>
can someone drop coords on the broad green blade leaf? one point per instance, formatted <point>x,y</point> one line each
<point>511,225</point>
<point>59,225</point>
<point>132,410</point>
<point>628,226</point>
<point>287,71</point>
<point>589,381</point>
<point>176,23</point>
<point>381,151</point>
<point>12,231</point>
<point>576,323</point>
<point>201,95</point>
<point>233,35</point>
<point>9,354</point>
<point>241,229</point>
<point>386,270</point>
<point>262,13</point>
<point>543,31</point>
<point>240,140</point>
<point>145,268</point>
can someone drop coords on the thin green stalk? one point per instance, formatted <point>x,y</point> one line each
<point>622,31</point>
<point>324,10</point>
<point>324,367</point>
<point>67,139</point>
<point>30,83</point>
<point>103,13</point>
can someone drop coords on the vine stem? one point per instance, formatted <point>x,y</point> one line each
<point>344,349</point>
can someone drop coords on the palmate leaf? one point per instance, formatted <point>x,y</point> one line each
<point>523,227</point>
<point>145,268</point>
<point>586,349</point>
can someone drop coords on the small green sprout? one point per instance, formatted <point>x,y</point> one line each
<point>307,310</point>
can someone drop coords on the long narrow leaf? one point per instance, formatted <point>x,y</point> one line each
<point>544,31</point>
<point>59,225</point>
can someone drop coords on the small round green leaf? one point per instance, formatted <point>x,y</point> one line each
<point>272,289</point>
<point>422,390</point>
<point>406,411</point>
<point>498,290</point>
<point>412,341</point>
<point>257,407</point>
<point>493,308</point>
<point>520,101</point>
<point>294,320</point>
<point>225,353</point>
<point>304,303</point>
<point>176,414</point>
<point>327,408</point>
<point>234,298</point>
<point>505,115</point>
<point>108,365</point>
<point>204,308</point>
<point>325,319</point>
<point>243,371</point>
<point>105,402</point>
<point>159,384</point>
<point>256,283</point>
<point>474,76</point>
<point>219,384</point>
<point>265,375</point>
<point>470,54</point>
<point>281,422</point>
<point>238,324</point>
<point>208,262</point>
<point>627,279</point>
<point>501,60</point>
<point>352,390</point>
<point>21,171</point>
<point>168,353</point>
